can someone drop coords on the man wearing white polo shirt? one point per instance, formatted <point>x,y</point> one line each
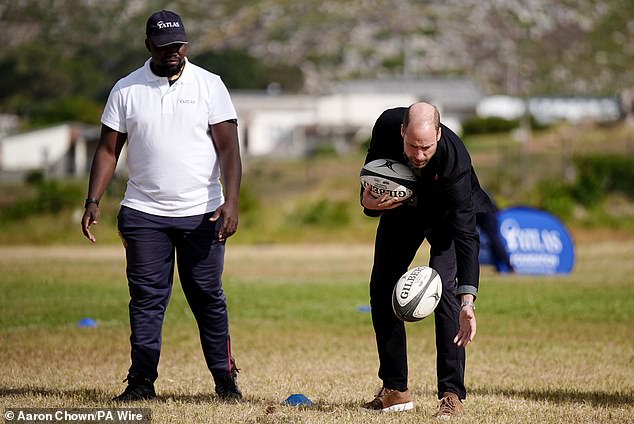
<point>180,127</point>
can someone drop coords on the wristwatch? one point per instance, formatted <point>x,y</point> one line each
<point>90,200</point>
<point>467,303</point>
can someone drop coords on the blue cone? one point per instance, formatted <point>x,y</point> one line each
<point>87,322</point>
<point>297,399</point>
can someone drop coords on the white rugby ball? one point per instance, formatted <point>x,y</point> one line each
<point>416,294</point>
<point>387,176</point>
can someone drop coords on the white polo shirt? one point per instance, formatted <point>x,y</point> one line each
<point>172,163</point>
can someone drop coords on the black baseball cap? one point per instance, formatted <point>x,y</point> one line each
<point>165,27</point>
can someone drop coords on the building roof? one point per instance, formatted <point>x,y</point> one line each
<point>451,93</point>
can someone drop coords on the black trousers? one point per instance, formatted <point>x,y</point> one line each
<point>154,245</point>
<point>400,233</point>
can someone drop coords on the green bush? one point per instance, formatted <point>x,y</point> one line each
<point>490,125</point>
<point>323,150</point>
<point>599,175</point>
<point>556,198</point>
<point>248,200</point>
<point>51,197</point>
<point>34,178</point>
<point>323,213</point>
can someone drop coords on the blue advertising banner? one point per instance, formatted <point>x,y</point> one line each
<point>536,241</point>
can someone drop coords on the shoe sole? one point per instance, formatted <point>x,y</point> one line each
<point>399,407</point>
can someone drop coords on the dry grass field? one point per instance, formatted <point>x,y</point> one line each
<point>548,349</point>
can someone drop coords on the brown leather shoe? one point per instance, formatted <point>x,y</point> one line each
<point>450,405</point>
<point>389,400</point>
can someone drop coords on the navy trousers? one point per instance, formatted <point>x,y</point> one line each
<point>154,244</point>
<point>400,234</point>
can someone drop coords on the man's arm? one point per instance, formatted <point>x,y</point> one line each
<point>461,219</point>
<point>225,138</point>
<point>467,246</point>
<point>103,166</point>
<point>386,142</point>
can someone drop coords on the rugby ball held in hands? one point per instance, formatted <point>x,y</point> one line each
<point>387,176</point>
<point>416,294</point>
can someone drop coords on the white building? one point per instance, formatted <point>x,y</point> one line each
<point>291,125</point>
<point>61,150</point>
<point>547,110</point>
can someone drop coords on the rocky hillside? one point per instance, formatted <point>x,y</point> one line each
<point>513,46</point>
<point>581,47</point>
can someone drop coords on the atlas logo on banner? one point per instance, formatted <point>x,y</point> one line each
<point>537,242</point>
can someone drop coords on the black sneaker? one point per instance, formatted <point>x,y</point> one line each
<point>139,388</point>
<point>227,386</point>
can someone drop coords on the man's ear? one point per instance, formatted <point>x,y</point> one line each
<point>439,133</point>
<point>402,131</point>
<point>147,45</point>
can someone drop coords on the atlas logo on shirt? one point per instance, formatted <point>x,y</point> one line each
<point>187,101</point>
<point>162,24</point>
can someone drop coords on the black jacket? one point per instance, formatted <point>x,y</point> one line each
<point>448,192</point>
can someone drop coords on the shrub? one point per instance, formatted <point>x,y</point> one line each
<point>248,199</point>
<point>322,213</point>
<point>490,125</point>
<point>322,150</point>
<point>556,198</point>
<point>50,197</point>
<point>599,175</point>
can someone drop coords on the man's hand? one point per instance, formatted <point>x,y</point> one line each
<point>378,203</point>
<point>91,216</point>
<point>467,319</point>
<point>229,213</point>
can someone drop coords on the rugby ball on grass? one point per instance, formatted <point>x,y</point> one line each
<point>387,176</point>
<point>416,294</point>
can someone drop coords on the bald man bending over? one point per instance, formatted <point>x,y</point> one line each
<point>448,195</point>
